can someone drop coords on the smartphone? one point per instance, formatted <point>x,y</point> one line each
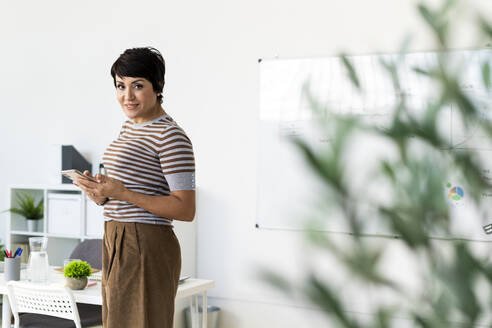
<point>72,174</point>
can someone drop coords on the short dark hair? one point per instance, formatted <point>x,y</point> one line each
<point>144,62</point>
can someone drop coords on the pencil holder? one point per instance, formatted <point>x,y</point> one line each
<point>12,268</point>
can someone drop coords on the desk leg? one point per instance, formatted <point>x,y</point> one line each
<point>194,319</point>
<point>6,313</point>
<point>205,310</point>
<point>197,318</point>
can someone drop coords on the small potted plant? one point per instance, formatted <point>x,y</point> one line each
<point>28,209</point>
<point>76,273</point>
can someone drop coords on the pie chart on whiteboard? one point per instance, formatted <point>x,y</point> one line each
<point>456,192</point>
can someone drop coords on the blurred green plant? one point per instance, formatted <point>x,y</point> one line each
<point>27,207</point>
<point>77,269</point>
<point>2,254</point>
<point>454,280</point>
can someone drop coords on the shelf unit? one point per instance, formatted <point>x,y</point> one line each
<point>84,219</point>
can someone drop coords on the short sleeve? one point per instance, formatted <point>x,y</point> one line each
<point>177,160</point>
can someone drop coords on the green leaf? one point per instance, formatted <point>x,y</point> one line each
<point>351,72</point>
<point>383,318</point>
<point>329,170</point>
<point>485,26</point>
<point>447,7</point>
<point>328,301</point>
<point>486,75</point>
<point>436,22</point>
<point>275,280</point>
<point>428,16</point>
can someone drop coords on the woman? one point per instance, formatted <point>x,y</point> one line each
<point>150,182</point>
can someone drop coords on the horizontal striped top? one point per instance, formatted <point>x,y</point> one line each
<point>152,158</point>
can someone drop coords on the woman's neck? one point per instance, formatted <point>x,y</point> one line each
<point>157,112</point>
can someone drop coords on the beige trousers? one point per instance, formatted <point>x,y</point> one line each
<point>141,264</point>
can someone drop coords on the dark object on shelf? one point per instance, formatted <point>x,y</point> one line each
<point>72,159</point>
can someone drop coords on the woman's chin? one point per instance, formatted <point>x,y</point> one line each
<point>131,113</point>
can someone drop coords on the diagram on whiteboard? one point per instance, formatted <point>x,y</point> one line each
<point>286,185</point>
<point>455,193</point>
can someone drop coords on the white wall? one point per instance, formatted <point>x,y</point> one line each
<point>55,87</point>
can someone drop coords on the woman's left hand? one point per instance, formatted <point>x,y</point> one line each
<point>105,187</point>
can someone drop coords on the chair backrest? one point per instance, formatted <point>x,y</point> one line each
<point>53,300</point>
<point>90,250</point>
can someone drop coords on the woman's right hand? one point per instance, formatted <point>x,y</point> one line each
<point>90,194</point>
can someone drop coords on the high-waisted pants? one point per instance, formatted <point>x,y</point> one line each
<point>141,264</point>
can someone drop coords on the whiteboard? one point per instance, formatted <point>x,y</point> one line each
<point>288,192</point>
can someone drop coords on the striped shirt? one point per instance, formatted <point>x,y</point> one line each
<point>152,158</point>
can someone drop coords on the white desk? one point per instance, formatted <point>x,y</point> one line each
<point>92,295</point>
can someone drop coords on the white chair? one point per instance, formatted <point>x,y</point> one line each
<point>51,300</point>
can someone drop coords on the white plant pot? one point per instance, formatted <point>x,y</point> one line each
<point>32,225</point>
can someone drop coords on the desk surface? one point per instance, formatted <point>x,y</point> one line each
<point>92,295</point>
